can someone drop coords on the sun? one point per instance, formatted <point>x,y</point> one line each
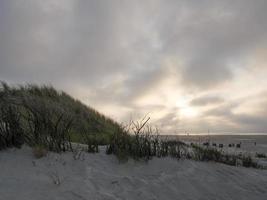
<point>185,110</point>
<point>188,112</point>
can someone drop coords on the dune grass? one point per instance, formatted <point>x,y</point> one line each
<point>261,155</point>
<point>212,154</point>
<point>46,117</point>
<point>48,120</point>
<point>141,142</point>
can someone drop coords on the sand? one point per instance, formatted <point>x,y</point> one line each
<point>99,176</point>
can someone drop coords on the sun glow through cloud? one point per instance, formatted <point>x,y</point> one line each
<point>185,110</point>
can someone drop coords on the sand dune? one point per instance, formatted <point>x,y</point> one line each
<point>99,176</point>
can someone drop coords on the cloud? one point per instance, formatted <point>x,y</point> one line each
<point>206,100</point>
<point>246,122</point>
<point>110,55</point>
<point>211,36</point>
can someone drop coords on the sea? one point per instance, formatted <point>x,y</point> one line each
<point>254,143</point>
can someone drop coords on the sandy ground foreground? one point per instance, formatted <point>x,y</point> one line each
<point>98,176</point>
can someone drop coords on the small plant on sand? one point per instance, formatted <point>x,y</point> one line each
<point>120,144</point>
<point>206,154</point>
<point>55,178</point>
<point>261,155</point>
<point>91,141</point>
<point>212,154</point>
<point>248,162</point>
<point>39,151</point>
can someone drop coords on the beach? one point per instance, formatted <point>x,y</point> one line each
<point>100,176</point>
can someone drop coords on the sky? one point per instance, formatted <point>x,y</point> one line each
<point>192,66</point>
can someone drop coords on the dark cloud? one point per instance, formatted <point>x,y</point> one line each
<point>127,88</point>
<point>91,40</point>
<point>211,36</point>
<point>239,122</point>
<point>206,100</point>
<point>169,122</point>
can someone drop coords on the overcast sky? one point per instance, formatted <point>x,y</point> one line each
<point>191,65</point>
